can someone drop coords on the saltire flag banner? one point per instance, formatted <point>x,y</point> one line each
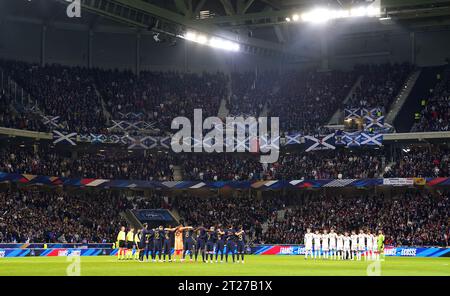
<point>339,139</point>
<point>97,138</point>
<point>352,113</point>
<point>293,139</point>
<point>49,120</point>
<point>374,112</point>
<point>363,112</point>
<point>374,122</point>
<point>165,142</point>
<point>64,138</point>
<point>124,125</point>
<point>320,142</point>
<point>372,139</point>
<point>356,139</point>
<point>352,139</point>
<point>141,143</point>
<point>131,115</point>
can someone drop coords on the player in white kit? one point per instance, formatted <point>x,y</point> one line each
<point>346,240</point>
<point>354,246</point>
<point>317,236</point>
<point>340,246</point>
<point>375,247</point>
<point>325,244</point>
<point>369,241</point>
<point>308,243</point>
<point>361,244</point>
<point>332,236</point>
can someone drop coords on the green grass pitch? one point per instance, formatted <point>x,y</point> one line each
<point>254,265</point>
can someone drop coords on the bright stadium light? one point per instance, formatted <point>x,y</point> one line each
<point>214,42</point>
<point>295,17</point>
<point>190,36</point>
<point>318,15</point>
<point>202,39</point>
<point>373,11</point>
<point>323,15</point>
<point>358,12</point>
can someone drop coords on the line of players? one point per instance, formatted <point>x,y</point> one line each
<point>343,246</point>
<point>184,240</point>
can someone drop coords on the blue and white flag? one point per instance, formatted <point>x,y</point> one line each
<point>374,122</point>
<point>320,142</point>
<point>293,139</point>
<point>352,139</point>
<point>352,113</point>
<point>371,139</point>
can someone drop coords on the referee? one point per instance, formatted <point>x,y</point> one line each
<point>121,242</point>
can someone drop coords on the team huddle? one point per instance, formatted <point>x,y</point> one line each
<point>344,246</point>
<point>184,240</point>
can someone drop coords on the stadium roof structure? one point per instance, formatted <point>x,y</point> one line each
<point>260,27</point>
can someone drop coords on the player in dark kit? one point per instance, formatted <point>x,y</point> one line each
<point>211,238</point>
<point>220,244</point>
<point>240,236</point>
<point>158,238</point>
<point>201,242</point>
<point>144,244</point>
<point>230,239</point>
<point>167,244</point>
<point>188,241</point>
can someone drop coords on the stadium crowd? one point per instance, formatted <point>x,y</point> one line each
<point>435,115</point>
<point>408,219</point>
<point>430,161</point>
<point>335,164</point>
<point>307,100</point>
<point>45,161</point>
<point>54,87</point>
<point>303,100</point>
<point>247,211</point>
<point>97,96</point>
<point>28,216</point>
<point>290,166</point>
<point>420,162</point>
<point>380,84</point>
<point>161,96</point>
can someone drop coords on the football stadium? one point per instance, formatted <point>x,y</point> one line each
<point>224,138</point>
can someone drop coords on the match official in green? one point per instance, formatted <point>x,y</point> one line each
<point>380,243</point>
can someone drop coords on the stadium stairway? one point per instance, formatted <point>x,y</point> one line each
<point>265,111</point>
<point>131,219</point>
<point>223,110</point>
<point>388,167</point>
<point>338,116</point>
<point>279,216</point>
<point>176,214</point>
<point>177,173</point>
<point>13,90</point>
<point>427,80</point>
<point>402,97</point>
<point>105,111</point>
